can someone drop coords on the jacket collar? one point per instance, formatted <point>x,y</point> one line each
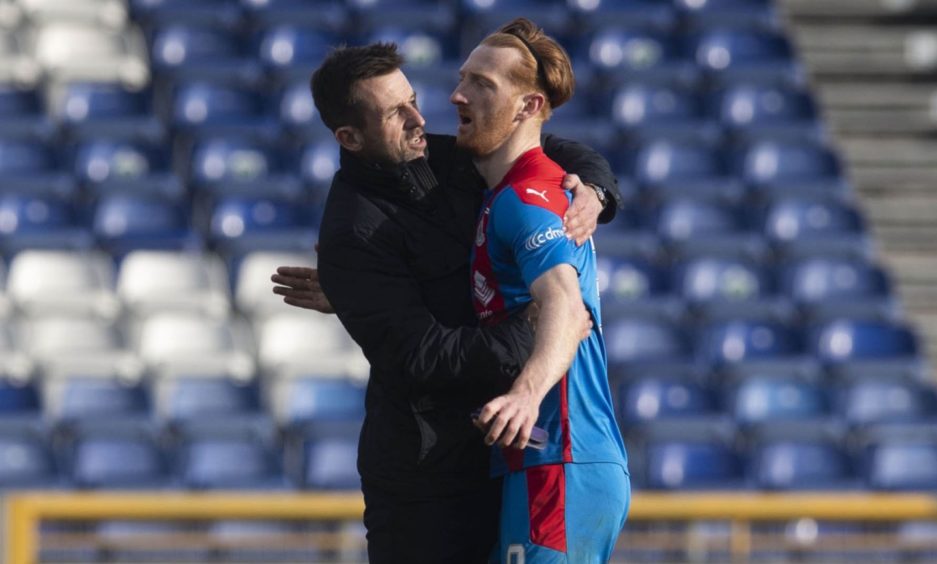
<point>412,180</point>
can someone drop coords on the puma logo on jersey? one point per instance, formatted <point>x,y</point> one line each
<point>542,193</point>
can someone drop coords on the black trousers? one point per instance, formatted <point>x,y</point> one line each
<point>461,529</point>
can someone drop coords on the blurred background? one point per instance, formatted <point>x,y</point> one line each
<point>769,293</point>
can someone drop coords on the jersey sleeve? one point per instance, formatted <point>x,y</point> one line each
<point>533,234</point>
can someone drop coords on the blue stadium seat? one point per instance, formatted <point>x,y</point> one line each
<point>426,55</point>
<point>639,55</point>
<point>902,464</point>
<point>204,108</point>
<point>746,55</point>
<point>647,111</point>
<point>427,15</point>
<point>825,288</point>
<point>109,399</point>
<point>800,465</point>
<point>789,168</point>
<point>318,163</point>
<point>22,114</point>
<point>804,227</point>
<point>329,457</point>
<point>630,234</point>
<point>432,96</point>
<point>290,52</point>
<point>89,110</point>
<point>732,342</point>
<point>770,399</point>
<point>715,287</point>
<point>229,462</point>
<point>241,223</point>
<point>481,17</point>
<point>264,541</point>
<point>667,169</point>
<point>740,13</point>
<point>692,464</point>
<point>315,399</point>
<point>231,166</point>
<point>117,459</point>
<point>192,52</point>
<point>149,541</point>
<point>123,224</point>
<point>298,114</point>
<point>847,341</point>
<point>205,397</point>
<point>32,167</point>
<point>648,14</point>
<point>634,286</point>
<point>26,461</point>
<point>222,13</point>
<point>634,341</point>
<point>576,119</point>
<point>36,222</point>
<point>692,227</point>
<point>328,15</point>
<point>106,166</point>
<point>651,398</point>
<point>18,399</point>
<point>752,112</point>
<point>869,401</point>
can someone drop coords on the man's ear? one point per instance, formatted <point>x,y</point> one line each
<point>350,138</point>
<point>533,105</point>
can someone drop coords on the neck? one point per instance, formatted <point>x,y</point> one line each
<point>496,164</point>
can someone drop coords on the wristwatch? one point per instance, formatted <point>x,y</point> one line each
<point>600,192</point>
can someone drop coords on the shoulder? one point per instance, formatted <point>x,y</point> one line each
<point>350,216</point>
<point>537,194</point>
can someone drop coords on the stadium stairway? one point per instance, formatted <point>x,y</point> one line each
<point>873,64</point>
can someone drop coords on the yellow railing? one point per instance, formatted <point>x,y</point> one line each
<point>25,511</point>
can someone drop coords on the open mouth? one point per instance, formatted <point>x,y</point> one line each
<point>464,120</point>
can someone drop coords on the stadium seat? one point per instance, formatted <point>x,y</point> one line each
<point>116,458</point>
<point>264,541</point>
<point>107,110</point>
<point>845,341</point>
<point>432,96</point>
<point>693,227</point>
<point>252,295</point>
<point>73,345</point>
<point>738,13</point>
<point>182,399</point>
<point>647,14</point>
<point>800,465</point>
<point>902,465</point>
<point>426,15</point>
<point>330,462</point>
<point>869,401</point>
<point>481,17</point>
<point>313,399</point>
<point>126,167</point>
<point>668,169</point>
<point>159,281</point>
<point>109,399</point>
<point>26,461</point>
<point>298,114</point>
<point>826,288</point>
<point>648,112</point>
<point>18,398</point>
<point>640,56</point>
<point>108,13</point>
<point>225,14</point>
<point>632,286</point>
<point>318,163</point>
<point>692,464</point>
<point>62,283</point>
<point>205,109</point>
<point>772,398</point>
<point>149,541</point>
<point>228,463</point>
<point>83,52</point>
<point>40,222</point>
<point>729,55</point>
<point>720,287</point>
<point>182,52</point>
<point>189,340</point>
<point>328,15</point>
<point>33,168</point>
<point>228,166</point>
<point>16,65</point>
<point>754,112</point>
<point>734,341</point>
<point>789,168</point>
<point>650,398</point>
<point>123,224</point>
<point>289,52</point>
<point>296,344</point>
<point>426,55</point>
<point>805,227</point>
<point>634,342</point>
<point>241,224</point>
<point>22,114</point>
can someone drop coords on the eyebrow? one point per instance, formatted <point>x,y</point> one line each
<point>477,76</point>
<point>411,99</point>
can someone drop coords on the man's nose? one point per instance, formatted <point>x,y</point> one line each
<point>415,118</point>
<point>457,98</point>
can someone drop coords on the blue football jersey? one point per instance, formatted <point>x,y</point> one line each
<point>519,237</point>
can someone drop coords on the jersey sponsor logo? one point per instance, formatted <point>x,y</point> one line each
<point>483,292</point>
<point>538,240</point>
<point>540,193</point>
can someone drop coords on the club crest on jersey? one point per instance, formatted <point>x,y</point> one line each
<point>538,240</point>
<point>540,193</point>
<point>483,292</point>
<point>480,230</point>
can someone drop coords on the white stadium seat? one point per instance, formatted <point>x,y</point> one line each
<point>185,341</point>
<point>75,52</point>
<point>253,290</point>
<point>110,13</point>
<point>161,281</point>
<point>62,282</point>
<point>308,343</point>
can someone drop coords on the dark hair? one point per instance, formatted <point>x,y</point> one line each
<point>545,65</point>
<point>334,83</point>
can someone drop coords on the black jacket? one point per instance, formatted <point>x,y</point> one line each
<point>394,262</point>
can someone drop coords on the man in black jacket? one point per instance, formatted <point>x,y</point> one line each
<point>393,263</point>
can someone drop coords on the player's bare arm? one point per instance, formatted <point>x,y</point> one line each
<point>563,322</point>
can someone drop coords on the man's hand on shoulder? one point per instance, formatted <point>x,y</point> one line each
<point>582,217</point>
<point>299,286</point>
